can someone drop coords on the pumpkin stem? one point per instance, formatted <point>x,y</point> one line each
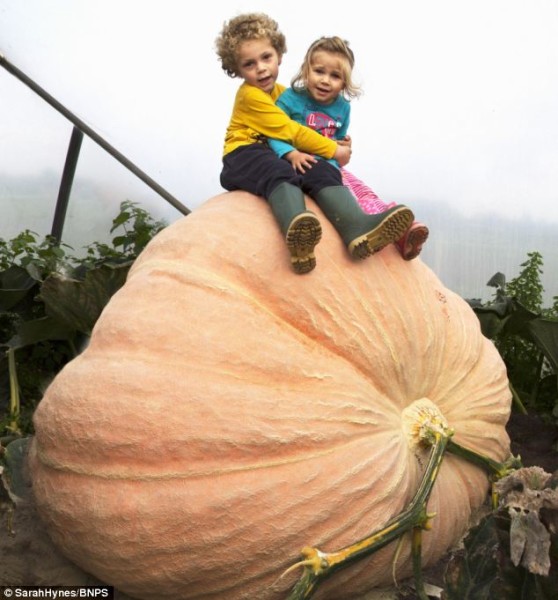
<point>314,561</point>
<point>425,426</point>
<point>496,470</point>
<point>413,518</point>
<point>416,552</point>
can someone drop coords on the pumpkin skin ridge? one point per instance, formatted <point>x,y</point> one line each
<point>466,323</point>
<point>451,386</point>
<point>310,452</point>
<point>451,394</point>
<point>317,334</point>
<point>314,337</point>
<point>286,559</point>
<point>322,341</point>
<point>185,475</point>
<point>465,433</point>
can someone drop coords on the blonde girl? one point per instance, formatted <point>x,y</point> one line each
<point>319,97</point>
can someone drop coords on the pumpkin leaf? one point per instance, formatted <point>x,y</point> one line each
<point>491,322</point>
<point>519,319</point>
<point>505,316</point>
<point>471,574</point>
<point>544,333</point>
<point>13,477</point>
<point>484,570</point>
<point>498,280</point>
<point>39,330</point>
<point>78,303</point>
<point>15,284</point>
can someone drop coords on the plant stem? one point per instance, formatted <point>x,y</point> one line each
<point>14,392</point>
<point>537,384</point>
<point>320,565</point>
<point>416,550</point>
<point>517,400</point>
<point>496,469</point>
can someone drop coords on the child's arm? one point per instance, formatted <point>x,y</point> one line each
<point>289,101</point>
<point>281,147</point>
<point>258,111</point>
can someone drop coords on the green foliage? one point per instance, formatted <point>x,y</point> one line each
<point>38,259</point>
<point>527,287</point>
<point>137,230</point>
<point>49,302</point>
<point>526,335</point>
<point>484,568</point>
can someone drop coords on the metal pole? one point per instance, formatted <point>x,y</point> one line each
<point>92,134</point>
<point>66,184</point>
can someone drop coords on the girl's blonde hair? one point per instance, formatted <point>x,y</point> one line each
<point>249,26</point>
<point>334,45</point>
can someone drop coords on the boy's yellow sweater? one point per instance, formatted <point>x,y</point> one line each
<point>255,118</point>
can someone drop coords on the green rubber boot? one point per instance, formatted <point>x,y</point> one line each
<point>362,233</point>
<point>301,228</point>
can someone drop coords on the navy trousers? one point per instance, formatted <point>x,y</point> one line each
<point>257,169</point>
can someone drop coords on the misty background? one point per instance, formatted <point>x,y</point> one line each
<point>459,116</point>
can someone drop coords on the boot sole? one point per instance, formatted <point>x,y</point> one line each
<point>391,229</point>
<point>302,237</point>
<point>411,243</point>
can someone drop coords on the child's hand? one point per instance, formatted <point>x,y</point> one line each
<point>343,153</point>
<point>300,161</point>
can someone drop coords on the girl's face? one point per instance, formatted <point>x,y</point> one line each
<point>325,80</point>
<point>258,63</point>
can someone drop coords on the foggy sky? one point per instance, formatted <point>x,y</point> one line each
<point>459,111</point>
<point>460,102</point>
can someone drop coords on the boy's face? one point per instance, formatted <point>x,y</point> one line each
<point>258,63</point>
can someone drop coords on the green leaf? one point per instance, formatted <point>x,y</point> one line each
<point>78,304</point>
<point>544,332</point>
<point>122,218</point>
<point>13,476</point>
<point>39,330</point>
<point>470,575</point>
<point>519,320</point>
<point>34,270</point>
<point>15,284</point>
<point>497,280</point>
<point>120,240</point>
<point>492,324</point>
<point>484,570</point>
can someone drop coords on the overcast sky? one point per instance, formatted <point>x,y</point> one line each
<point>460,103</point>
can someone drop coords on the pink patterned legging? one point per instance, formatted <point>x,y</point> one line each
<point>366,197</point>
<point>410,245</point>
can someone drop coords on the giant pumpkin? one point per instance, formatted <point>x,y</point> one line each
<point>228,412</point>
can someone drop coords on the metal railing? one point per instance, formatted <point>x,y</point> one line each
<point>72,156</point>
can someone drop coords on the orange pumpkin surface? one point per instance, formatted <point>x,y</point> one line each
<point>228,412</point>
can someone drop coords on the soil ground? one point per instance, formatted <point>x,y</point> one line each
<point>27,557</point>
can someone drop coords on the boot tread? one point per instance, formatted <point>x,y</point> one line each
<point>391,227</point>
<point>303,235</point>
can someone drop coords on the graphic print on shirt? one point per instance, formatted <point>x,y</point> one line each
<point>323,124</point>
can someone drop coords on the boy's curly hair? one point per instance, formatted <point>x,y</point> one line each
<point>250,26</point>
